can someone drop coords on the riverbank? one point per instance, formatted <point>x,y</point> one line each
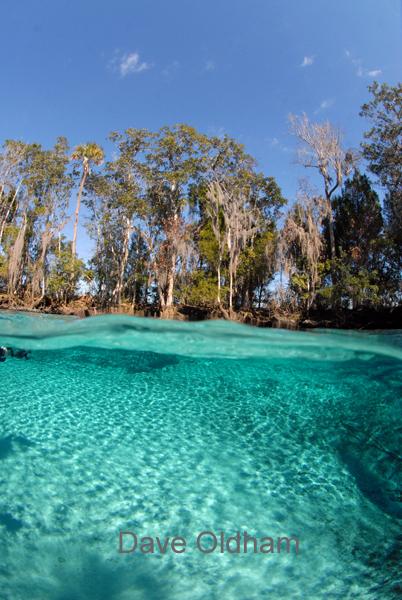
<point>362,318</point>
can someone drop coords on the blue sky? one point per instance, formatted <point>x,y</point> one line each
<point>82,68</point>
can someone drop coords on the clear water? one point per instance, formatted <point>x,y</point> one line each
<point>167,428</point>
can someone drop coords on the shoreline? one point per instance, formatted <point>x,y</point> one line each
<point>359,319</point>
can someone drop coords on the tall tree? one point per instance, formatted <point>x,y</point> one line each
<point>15,260</point>
<point>364,270</point>
<point>322,149</point>
<point>242,215</point>
<point>85,155</point>
<point>215,201</point>
<point>301,247</point>
<point>174,161</point>
<point>235,200</point>
<point>383,149</point>
<point>11,172</point>
<point>49,186</point>
<point>358,223</point>
<point>224,162</point>
<point>116,201</point>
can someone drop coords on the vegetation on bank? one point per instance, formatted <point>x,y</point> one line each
<point>178,218</point>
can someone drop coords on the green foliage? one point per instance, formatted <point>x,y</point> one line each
<point>300,283</point>
<point>10,233</point>
<point>383,151</point>
<point>351,289</point>
<point>175,209</point>
<point>256,269</point>
<point>65,274</point>
<point>201,290</point>
<point>208,246</point>
<point>3,271</point>
<point>361,240</point>
<point>90,151</point>
<point>358,223</point>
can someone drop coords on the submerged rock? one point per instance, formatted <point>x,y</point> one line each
<point>18,352</point>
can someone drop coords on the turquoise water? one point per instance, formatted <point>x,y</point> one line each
<point>166,428</point>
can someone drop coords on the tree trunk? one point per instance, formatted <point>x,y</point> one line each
<point>170,282</point>
<point>260,289</point>
<point>134,299</point>
<point>328,193</point>
<point>219,282</point>
<point>38,279</point>
<point>78,206</point>
<point>148,284</point>
<point>162,300</point>
<point>117,292</point>
<point>230,288</point>
<point>14,264</point>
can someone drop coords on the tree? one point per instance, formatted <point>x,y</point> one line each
<point>38,187</point>
<point>362,248</point>
<point>177,216</point>
<point>173,163</point>
<point>256,269</point>
<point>116,198</point>
<point>85,155</point>
<point>240,220</point>
<point>240,206</point>
<point>64,271</point>
<point>322,150</point>
<point>15,259</point>
<point>358,223</point>
<point>11,169</point>
<point>49,186</point>
<point>13,211</point>
<point>223,160</point>
<point>352,289</point>
<point>214,209</point>
<point>301,247</point>
<point>383,150</point>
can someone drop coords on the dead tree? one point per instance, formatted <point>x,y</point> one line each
<point>321,149</point>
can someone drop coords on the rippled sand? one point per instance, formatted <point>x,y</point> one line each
<point>168,428</point>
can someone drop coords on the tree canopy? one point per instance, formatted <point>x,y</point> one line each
<point>180,217</point>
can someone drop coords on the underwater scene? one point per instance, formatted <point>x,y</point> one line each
<point>114,429</point>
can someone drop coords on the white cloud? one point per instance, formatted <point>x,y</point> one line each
<point>307,61</point>
<point>210,65</point>
<point>367,72</point>
<point>361,71</point>
<point>325,104</point>
<point>131,63</point>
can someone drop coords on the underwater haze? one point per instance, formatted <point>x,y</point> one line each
<point>166,429</point>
